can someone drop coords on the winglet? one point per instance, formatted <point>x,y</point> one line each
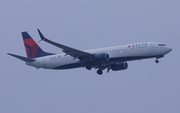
<point>41,35</point>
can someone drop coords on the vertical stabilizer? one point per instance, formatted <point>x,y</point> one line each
<point>32,48</point>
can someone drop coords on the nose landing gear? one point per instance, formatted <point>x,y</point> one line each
<point>157,61</point>
<point>157,57</point>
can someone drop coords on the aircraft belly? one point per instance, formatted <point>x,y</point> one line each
<point>61,62</point>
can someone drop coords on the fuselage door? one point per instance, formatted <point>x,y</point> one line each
<point>151,46</point>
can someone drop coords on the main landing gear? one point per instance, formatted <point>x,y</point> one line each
<point>88,67</point>
<point>99,71</point>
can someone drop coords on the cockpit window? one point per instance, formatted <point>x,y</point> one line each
<point>161,44</point>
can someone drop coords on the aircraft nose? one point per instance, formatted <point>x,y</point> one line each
<point>168,49</point>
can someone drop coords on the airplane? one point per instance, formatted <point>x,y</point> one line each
<point>111,58</point>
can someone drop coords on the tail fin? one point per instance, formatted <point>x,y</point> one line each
<point>32,48</point>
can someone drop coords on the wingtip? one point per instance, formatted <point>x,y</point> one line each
<point>8,53</point>
<point>41,35</point>
<point>38,30</point>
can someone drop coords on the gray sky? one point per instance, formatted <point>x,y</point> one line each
<point>145,87</point>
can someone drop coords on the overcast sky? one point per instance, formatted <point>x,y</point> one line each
<point>145,87</point>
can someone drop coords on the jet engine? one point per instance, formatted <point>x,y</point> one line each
<point>119,66</point>
<point>100,57</point>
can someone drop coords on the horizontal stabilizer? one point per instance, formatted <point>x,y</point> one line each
<point>22,58</point>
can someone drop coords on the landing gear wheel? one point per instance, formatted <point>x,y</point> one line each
<point>99,71</point>
<point>88,67</point>
<point>157,61</point>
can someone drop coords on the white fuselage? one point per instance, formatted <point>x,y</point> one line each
<point>128,52</point>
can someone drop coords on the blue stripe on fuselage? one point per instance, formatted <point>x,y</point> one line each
<point>69,66</point>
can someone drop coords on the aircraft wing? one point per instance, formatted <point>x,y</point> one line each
<point>68,50</point>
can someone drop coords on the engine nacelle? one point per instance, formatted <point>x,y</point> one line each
<point>119,66</point>
<point>100,57</point>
